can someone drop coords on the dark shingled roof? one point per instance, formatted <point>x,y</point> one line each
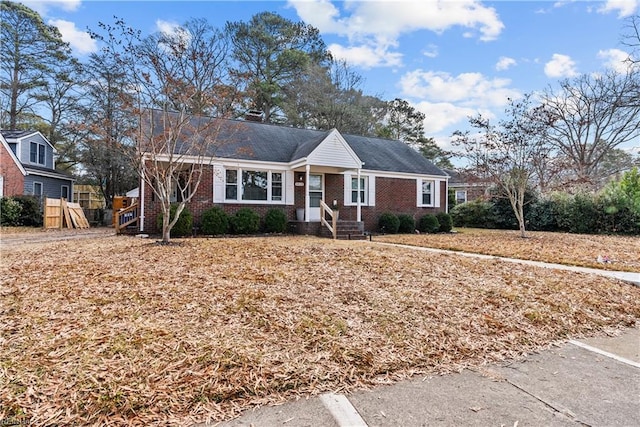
<point>390,155</point>
<point>250,140</point>
<point>12,134</point>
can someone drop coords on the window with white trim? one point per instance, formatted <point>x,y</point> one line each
<point>64,192</point>
<point>363,190</point>
<point>425,195</point>
<point>37,189</point>
<point>461,196</point>
<point>254,185</point>
<point>37,153</point>
<point>231,184</point>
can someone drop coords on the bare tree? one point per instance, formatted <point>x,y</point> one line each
<point>503,154</point>
<point>590,116</point>
<point>170,81</point>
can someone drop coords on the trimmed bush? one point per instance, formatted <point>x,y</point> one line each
<point>583,214</point>
<point>214,221</point>
<point>476,213</point>
<point>10,210</point>
<point>388,223</point>
<point>407,223</point>
<point>245,221</point>
<point>445,221</point>
<point>541,216</point>
<point>429,224</point>
<point>31,215</point>
<point>275,221</point>
<point>184,225</point>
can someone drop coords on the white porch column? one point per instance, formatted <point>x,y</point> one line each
<point>141,204</point>
<point>307,203</point>
<point>359,199</point>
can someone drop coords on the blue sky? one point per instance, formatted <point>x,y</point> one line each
<point>449,59</point>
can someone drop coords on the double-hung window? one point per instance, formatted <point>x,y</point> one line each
<point>362,189</point>
<point>231,184</point>
<point>37,153</point>
<point>426,193</point>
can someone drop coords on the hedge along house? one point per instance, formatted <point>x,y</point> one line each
<point>264,166</point>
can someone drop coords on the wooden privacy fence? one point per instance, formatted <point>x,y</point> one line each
<point>59,213</point>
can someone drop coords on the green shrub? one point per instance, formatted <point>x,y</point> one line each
<point>10,211</point>
<point>31,215</point>
<point>407,223</point>
<point>428,224</point>
<point>214,221</point>
<point>275,221</point>
<point>388,223</point>
<point>542,216</point>
<point>583,214</point>
<point>476,213</point>
<point>245,221</point>
<point>445,221</point>
<point>184,225</point>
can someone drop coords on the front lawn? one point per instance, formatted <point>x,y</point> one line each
<point>559,248</point>
<point>123,331</point>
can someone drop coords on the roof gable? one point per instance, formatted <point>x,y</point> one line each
<point>11,154</point>
<point>21,135</point>
<point>334,151</point>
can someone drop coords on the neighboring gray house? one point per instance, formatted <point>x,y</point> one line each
<point>35,155</point>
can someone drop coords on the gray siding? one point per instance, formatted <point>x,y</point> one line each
<point>51,187</point>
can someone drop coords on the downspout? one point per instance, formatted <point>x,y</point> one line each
<point>307,202</point>
<point>359,199</point>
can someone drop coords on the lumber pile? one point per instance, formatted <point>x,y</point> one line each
<point>58,213</point>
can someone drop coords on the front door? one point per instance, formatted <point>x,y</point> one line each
<point>316,193</point>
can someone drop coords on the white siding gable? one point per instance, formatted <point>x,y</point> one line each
<point>334,152</point>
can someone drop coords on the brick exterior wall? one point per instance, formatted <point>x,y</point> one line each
<point>202,201</point>
<point>12,177</point>
<point>392,195</point>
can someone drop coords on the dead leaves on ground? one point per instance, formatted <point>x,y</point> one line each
<point>121,331</point>
<point>558,248</point>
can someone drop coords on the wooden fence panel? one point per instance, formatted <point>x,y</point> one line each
<point>53,213</point>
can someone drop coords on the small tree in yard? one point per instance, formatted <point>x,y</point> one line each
<point>505,154</point>
<point>175,79</point>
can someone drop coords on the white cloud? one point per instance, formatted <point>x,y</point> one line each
<point>560,66</point>
<point>80,41</point>
<point>167,27</point>
<point>467,89</point>
<point>377,25</point>
<point>42,7</point>
<point>615,59</point>
<point>504,63</point>
<point>624,8</point>
<point>442,115</point>
<point>431,51</point>
<point>366,56</point>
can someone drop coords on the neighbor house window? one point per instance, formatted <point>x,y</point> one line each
<point>231,185</point>
<point>427,193</point>
<point>461,196</point>
<point>37,152</point>
<point>253,185</point>
<point>363,190</point>
<point>37,189</point>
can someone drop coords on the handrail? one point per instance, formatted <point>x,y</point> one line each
<point>126,217</point>
<point>334,218</point>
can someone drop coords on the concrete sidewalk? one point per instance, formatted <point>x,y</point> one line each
<point>594,382</point>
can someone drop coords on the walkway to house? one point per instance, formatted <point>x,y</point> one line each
<point>590,382</point>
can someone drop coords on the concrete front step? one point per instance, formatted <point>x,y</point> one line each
<point>346,230</point>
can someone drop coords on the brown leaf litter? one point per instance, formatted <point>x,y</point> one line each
<point>120,331</point>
